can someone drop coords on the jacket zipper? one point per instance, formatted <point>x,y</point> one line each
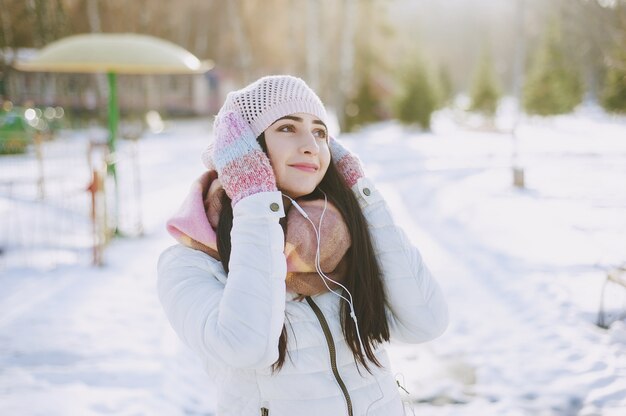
<point>331,350</point>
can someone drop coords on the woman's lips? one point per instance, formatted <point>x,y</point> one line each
<point>306,167</point>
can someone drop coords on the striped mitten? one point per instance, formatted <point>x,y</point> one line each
<point>242,166</point>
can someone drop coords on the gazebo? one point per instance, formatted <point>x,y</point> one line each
<point>114,53</point>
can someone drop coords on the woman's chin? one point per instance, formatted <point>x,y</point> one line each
<point>297,192</point>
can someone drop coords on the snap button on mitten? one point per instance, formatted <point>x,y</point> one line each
<point>366,191</point>
<point>274,206</point>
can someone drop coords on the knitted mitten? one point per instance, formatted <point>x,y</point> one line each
<point>348,164</point>
<point>241,164</point>
<point>207,157</point>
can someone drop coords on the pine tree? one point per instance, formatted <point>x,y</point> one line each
<point>614,94</point>
<point>363,108</point>
<point>553,86</point>
<point>417,101</point>
<point>484,93</point>
<point>444,90</point>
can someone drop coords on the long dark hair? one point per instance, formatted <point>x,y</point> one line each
<point>363,274</point>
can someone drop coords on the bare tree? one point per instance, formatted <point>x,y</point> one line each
<point>5,20</point>
<point>184,20</point>
<point>520,50</point>
<point>201,38</point>
<point>313,44</point>
<point>292,44</point>
<point>346,60</point>
<point>93,17</point>
<point>6,47</point>
<point>244,55</point>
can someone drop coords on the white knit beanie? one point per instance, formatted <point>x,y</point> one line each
<point>270,98</point>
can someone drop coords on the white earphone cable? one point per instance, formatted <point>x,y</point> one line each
<point>318,268</point>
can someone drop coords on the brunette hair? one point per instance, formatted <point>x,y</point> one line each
<point>363,273</point>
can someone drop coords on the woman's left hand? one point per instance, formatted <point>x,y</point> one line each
<point>348,164</point>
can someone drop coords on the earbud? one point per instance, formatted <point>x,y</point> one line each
<point>299,208</point>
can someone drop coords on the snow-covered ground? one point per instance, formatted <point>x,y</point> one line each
<point>522,270</point>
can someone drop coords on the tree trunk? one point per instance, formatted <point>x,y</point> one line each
<point>144,15</point>
<point>5,20</point>
<point>313,44</point>
<point>201,42</point>
<point>60,18</point>
<point>291,41</point>
<point>7,47</point>
<point>244,57</point>
<point>184,25</point>
<point>93,17</point>
<point>346,62</point>
<point>520,53</point>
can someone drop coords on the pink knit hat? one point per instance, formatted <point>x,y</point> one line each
<point>265,101</point>
<point>268,99</point>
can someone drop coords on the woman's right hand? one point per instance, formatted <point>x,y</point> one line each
<point>242,166</point>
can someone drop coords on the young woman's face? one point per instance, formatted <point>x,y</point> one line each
<point>297,146</point>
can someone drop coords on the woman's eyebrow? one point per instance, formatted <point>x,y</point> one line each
<point>300,120</point>
<point>319,122</point>
<point>294,118</point>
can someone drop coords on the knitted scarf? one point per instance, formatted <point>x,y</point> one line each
<point>195,222</point>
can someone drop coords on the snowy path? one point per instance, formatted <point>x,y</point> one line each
<point>511,333</point>
<point>521,270</point>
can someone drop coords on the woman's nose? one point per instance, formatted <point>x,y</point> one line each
<point>309,143</point>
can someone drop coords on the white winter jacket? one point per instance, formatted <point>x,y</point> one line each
<point>234,324</point>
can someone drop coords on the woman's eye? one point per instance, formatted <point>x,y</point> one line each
<point>286,128</point>
<point>320,133</point>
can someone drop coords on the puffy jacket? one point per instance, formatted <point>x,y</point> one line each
<point>234,325</point>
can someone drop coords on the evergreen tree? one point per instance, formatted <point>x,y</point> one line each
<point>364,108</point>
<point>444,90</point>
<point>417,100</point>
<point>484,93</point>
<point>553,86</point>
<point>614,94</point>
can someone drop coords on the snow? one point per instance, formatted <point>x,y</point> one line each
<point>522,270</point>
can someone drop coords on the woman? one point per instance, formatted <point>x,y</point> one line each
<point>291,274</point>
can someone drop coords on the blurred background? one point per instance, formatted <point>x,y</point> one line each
<point>496,130</point>
<point>361,56</point>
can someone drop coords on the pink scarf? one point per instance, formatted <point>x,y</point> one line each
<point>195,222</point>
